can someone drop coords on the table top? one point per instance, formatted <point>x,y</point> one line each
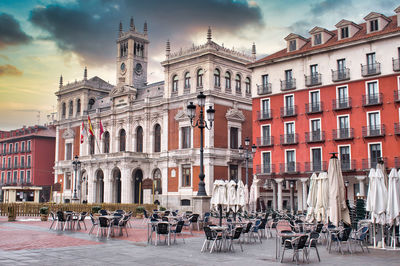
<point>291,234</point>
<point>216,227</point>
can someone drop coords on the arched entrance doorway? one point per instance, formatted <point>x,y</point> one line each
<point>99,186</point>
<point>137,188</point>
<point>116,185</point>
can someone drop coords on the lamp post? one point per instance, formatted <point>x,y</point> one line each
<point>246,154</point>
<point>346,184</point>
<point>77,166</point>
<point>201,123</point>
<point>291,185</point>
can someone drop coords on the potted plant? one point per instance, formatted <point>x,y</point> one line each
<point>44,214</point>
<point>95,210</point>
<point>162,208</point>
<point>139,211</point>
<point>12,213</point>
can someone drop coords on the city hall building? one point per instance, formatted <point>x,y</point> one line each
<point>334,91</point>
<point>147,133</point>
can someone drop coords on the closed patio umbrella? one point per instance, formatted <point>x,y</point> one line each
<point>254,194</point>
<point>381,165</point>
<point>241,195</point>
<point>338,210</point>
<point>379,202</point>
<point>231,196</point>
<point>371,189</point>
<point>246,197</point>
<point>312,198</point>
<point>393,205</point>
<point>322,200</point>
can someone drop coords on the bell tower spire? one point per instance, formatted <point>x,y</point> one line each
<point>132,25</point>
<point>61,82</point>
<point>209,34</point>
<point>145,28</point>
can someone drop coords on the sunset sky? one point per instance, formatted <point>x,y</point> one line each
<point>40,40</point>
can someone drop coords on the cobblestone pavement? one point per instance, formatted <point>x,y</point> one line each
<point>30,242</point>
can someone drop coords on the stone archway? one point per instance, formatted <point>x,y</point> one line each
<point>116,185</point>
<point>99,186</point>
<point>137,177</point>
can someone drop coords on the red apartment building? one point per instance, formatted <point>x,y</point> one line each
<point>26,162</point>
<point>336,91</point>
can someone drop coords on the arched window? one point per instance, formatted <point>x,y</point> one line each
<point>157,138</point>
<point>78,106</point>
<point>200,78</point>
<point>228,80</point>
<point>139,139</point>
<point>91,144</point>
<point>71,108</point>
<point>187,80</point>
<point>157,179</point>
<point>217,78</point>
<point>175,83</point>
<point>248,85</point>
<point>106,142</point>
<point>122,140</point>
<point>91,103</point>
<point>238,81</point>
<point>64,110</point>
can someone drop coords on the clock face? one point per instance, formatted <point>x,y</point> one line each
<point>123,68</point>
<point>138,68</point>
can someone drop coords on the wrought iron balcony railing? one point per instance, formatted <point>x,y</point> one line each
<point>340,74</point>
<point>265,169</point>
<point>264,114</point>
<point>265,141</point>
<point>343,133</point>
<point>315,136</point>
<point>315,166</point>
<point>313,80</point>
<point>313,108</point>
<point>264,89</point>
<point>289,139</point>
<point>289,111</point>
<point>290,167</point>
<point>373,131</point>
<point>372,99</point>
<point>341,104</point>
<point>368,163</point>
<point>289,84</point>
<point>371,69</point>
<point>348,165</point>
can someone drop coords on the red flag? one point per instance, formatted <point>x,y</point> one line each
<point>101,129</point>
<point>90,126</point>
<point>83,132</point>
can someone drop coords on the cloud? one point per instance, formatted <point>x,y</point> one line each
<point>89,28</point>
<point>322,7</point>
<point>9,70</point>
<point>11,32</point>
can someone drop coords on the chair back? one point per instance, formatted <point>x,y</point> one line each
<point>103,212</point>
<point>145,214</point>
<point>155,216</point>
<point>92,219</point>
<point>174,214</point>
<point>302,242</point>
<point>104,222</point>
<point>124,220</point>
<point>179,227</point>
<point>82,216</point>
<point>162,228</point>
<point>238,232</point>
<point>363,234</point>
<point>166,213</point>
<point>263,224</point>
<point>210,235</point>
<point>120,211</point>
<point>314,236</point>
<point>319,228</point>
<point>248,227</point>
<point>60,216</point>
<point>194,218</point>
<point>346,234</point>
<point>53,216</point>
<point>165,219</point>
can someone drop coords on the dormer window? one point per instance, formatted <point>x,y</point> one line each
<point>373,25</point>
<point>292,45</point>
<point>317,39</point>
<point>344,32</point>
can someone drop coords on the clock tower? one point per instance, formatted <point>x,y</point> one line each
<point>132,56</point>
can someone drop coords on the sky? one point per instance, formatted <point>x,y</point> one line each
<point>43,39</point>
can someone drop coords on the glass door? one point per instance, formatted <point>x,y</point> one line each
<point>316,160</point>
<point>344,155</point>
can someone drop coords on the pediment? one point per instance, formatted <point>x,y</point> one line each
<point>181,116</point>
<point>293,36</point>
<point>374,15</point>
<point>318,30</point>
<point>345,22</point>
<point>123,90</point>
<point>68,134</point>
<point>235,115</point>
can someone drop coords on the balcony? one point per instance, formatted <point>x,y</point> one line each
<point>343,134</point>
<point>371,163</point>
<point>372,99</point>
<point>314,108</point>
<point>289,84</point>
<point>289,111</point>
<point>315,166</point>
<point>372,131</point>
<point>396,95</point>
<point>265,169</point>
<point>264,89</point>
<point>264,115</point>
<point>371,69</point>
<point>340,75</point>
<point>315,136</point>
<point>348,165</point>
<point>341,104</point>
<point>313,80</point>
<point>396,64</point>
<point>289,139</point>
<point>397,128</point>
<point>291,167</point>
<point>265,141</point>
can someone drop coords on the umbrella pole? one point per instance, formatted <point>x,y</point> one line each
<point>383,238</point>
<point>220,214</point>
<point>373,226</point>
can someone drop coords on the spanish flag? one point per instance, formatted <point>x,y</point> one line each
<point>90,126</point>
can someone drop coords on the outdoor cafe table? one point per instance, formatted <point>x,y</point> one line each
<point>150,230</point>
<point>223,230</point>
<point>111,219</point>
<point>278,239</point>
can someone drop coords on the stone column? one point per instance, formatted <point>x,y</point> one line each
<point>299,190</point>
<point>280,202</point>
<point>274,207</point>
<point>108,186</point>
<point>362,185</point>
<point>304,184</point>
<point>126,185</point>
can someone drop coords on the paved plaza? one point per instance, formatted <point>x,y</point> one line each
<point>29,242</point>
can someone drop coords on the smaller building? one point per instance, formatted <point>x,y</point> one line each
<point>26,163</point>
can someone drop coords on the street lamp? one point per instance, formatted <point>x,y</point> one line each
<point>77,167</point>
<point>246,154</point>
<point>346,184</point>
<point>201,123</point>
